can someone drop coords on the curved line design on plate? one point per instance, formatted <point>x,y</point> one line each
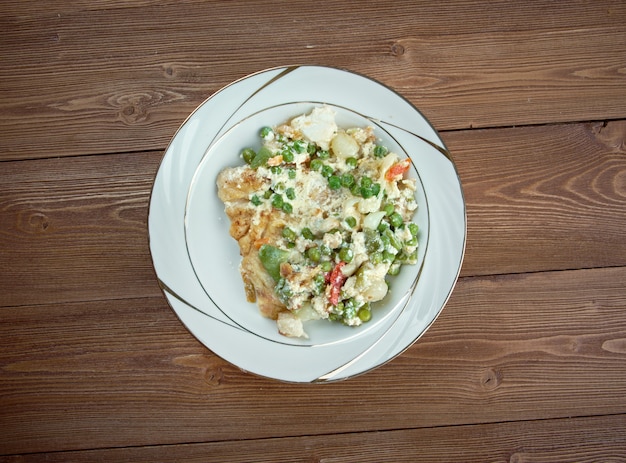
<point>224,311</point>
<point>352,359</point>
<point>329,376</point>
<point>443,150</point>
<point>166,289</point>
<point>274,79</point>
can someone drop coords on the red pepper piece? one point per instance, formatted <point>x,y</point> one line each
<point>336,281</point>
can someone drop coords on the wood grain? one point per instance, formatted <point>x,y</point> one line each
<point>550,198</point>
<point>112,84</point>
<point>126,373</point>
<point>76,231</point>
<point>527,362</point>
<point>548,441</point>
<point>543,198</point>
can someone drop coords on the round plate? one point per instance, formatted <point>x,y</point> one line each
<point>217,267</point>
<point>196,260</point>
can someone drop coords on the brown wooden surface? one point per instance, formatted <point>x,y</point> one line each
<point>526,363</point>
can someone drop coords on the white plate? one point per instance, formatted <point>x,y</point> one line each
<point>217,266</point>
<point>197,261</point>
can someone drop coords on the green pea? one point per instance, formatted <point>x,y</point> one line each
<point>288,234</point>
<point>364,314</point>
<point>333,317</point>
<point>277,201</point>
<point>268,194</point>
<point>311,148</point>
<point>366,182</point>
<point>412,259</point>
<point>346,255</point>
<point>307,233</point>
<point>287,207</point>
<point>375,189</point>
<point>248,155</point>
<point>314,254</point>
<point>319,282</point>
<point>276,170</point>
<point>380,151</point>
<point>349,311</point>
<point>265,131</point>
<point>291,173</point>
<point>376,257</point>
<point>402,256</point>
<point>283,290</point>
<point>414,229</point>
<point>288,156</point>
<point>396,220</point>
<point>352,162</point>
<point>394,269</point>
<point>300,146</point>
<point>351,221</point>
<point>389,209</point>
<point>326,266</point>
<point>316,165</point>
<point>255,200</point>
<point>369,188</point>
<point>290,193</point>
<point>334,182</point>
<point>327,171</point>
<point>323,154</point>
<point>367,192</point>
<point>347,180</point>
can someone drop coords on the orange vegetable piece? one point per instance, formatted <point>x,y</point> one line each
<point>397,170</point>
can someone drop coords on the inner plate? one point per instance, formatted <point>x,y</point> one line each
<point>215,257</point>
<point>192,146</point>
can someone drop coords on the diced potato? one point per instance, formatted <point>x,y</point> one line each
<point>372,220</point>
<point>344,146</point>
<point>318,127</point>
<point>376,291</point>
<point>290,325</point>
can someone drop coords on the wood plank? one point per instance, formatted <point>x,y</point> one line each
<point>580,440</point>
<point>543,198</point>
<point>552,198</point>
<point>123,78</point>
<point>76,230</point>
<point>126,373</point>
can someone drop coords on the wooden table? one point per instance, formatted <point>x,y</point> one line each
<point>527,362</point>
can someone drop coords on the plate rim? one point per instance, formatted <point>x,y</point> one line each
<point>283,70</point>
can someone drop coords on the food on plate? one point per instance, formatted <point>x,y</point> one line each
<point>323,215</point>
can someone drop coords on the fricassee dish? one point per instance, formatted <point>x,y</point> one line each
<point>323,216</point>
